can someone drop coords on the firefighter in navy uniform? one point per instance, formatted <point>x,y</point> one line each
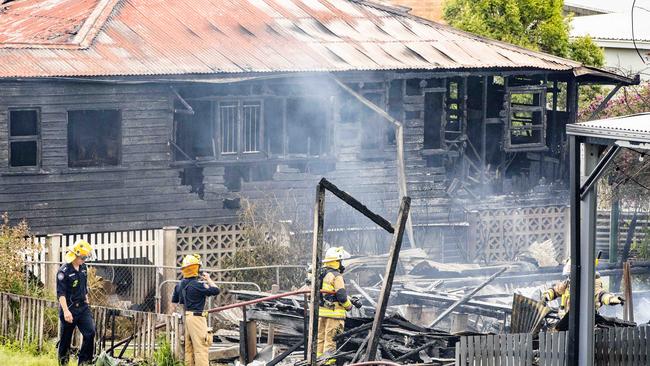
<point>74,311</point>
<point>192,293</point>
<point>334,302</point>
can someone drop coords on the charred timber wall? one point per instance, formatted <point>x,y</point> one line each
<point>141,192</point>
<point>150,187</point>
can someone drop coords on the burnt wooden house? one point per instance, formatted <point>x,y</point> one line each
<point>137,114</point>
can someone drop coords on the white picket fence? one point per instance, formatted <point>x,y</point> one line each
<point>115,254</point>
<point>119,245</point>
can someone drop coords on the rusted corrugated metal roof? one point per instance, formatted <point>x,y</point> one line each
<point>170,37</point>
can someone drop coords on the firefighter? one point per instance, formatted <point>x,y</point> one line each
<point>74,311</point>
<point>334,302</point>
<point>192,293</point>
<point>561,289</point>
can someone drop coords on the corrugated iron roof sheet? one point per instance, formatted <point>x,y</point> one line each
<point>169,37</point>
<point>634,128</point>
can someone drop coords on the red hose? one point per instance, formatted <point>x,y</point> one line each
<point>262,299</point>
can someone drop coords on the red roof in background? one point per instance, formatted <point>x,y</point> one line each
<point>48,38</point>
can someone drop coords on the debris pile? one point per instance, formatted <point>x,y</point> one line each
<point>431,306</point>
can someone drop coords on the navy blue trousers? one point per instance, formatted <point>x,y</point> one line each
<point>82,319</point>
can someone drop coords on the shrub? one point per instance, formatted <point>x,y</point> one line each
<point>15,245</point>
<point>268,239</point>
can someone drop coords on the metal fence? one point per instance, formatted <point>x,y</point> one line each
<point>138,286</point>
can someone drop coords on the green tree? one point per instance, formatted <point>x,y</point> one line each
<point>534,24</point>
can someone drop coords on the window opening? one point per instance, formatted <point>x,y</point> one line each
<point>94,138</point>
<point>307,126</point>
<point>24,138</point>
<point>526,119</point>
<point>240,127</point>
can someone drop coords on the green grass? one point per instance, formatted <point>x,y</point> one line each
<point>10,356</point>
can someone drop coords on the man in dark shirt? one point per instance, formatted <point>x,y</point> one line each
<point>191,293</point>
<point>72,293</point>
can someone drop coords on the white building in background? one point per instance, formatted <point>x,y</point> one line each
<point>609,23</point>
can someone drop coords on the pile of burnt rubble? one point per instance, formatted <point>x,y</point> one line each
<point>431,306</point>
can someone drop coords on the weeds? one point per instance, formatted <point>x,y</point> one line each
<point>163,356</point>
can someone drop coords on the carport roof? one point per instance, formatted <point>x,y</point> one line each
<point>633,129</point>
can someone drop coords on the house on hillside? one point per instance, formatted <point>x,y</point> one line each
<point>120,115</point>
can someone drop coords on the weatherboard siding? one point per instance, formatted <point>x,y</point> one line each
<point>143,191</point>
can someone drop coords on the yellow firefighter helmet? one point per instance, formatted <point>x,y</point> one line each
<point>336,254</point>
<point>190,265</point>
<point>80,248</point>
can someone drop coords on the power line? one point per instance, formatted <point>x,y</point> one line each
<point>633,180</point>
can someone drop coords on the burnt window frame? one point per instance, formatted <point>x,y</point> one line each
<point>28,138</point>
<point>120,137</point>
<point>511,108</point>
<point>240,140</point>
<point>451,136</point>
<point>327,128</point>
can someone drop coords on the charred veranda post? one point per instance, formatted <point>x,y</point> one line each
<point>317,252</point>
<point>380,311</point>
<point>317,247</point>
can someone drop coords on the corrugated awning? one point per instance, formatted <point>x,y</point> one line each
<point>633,129</point>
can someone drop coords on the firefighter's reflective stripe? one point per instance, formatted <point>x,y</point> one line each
<point>565,300</point>
<point>337,313</point>
<point>330,307</point>
<point>328,288</point>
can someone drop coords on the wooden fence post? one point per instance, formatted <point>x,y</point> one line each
<point>53,254</point>
<point>168,260</point>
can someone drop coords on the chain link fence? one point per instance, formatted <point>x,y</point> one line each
<point>147,287</point>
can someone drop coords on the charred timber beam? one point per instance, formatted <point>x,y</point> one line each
<point>598,171</point>
<point>363,293</point>
<point>317,250</point>
<point>365,211</point>
<point>285,354</point>
<point>465,298</point>
<point>353,331</point>
<point>490,308</point>
<point>188,108</point>
<point>543,276</point>
<point>178,148</point>
<point>380,311</point>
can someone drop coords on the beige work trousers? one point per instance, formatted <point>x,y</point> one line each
<point>197,340</point>
<point>328,328</point>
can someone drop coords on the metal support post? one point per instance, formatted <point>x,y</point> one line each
<point>587,257</point>
<point>599,169</point>
<point>574,197</point>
